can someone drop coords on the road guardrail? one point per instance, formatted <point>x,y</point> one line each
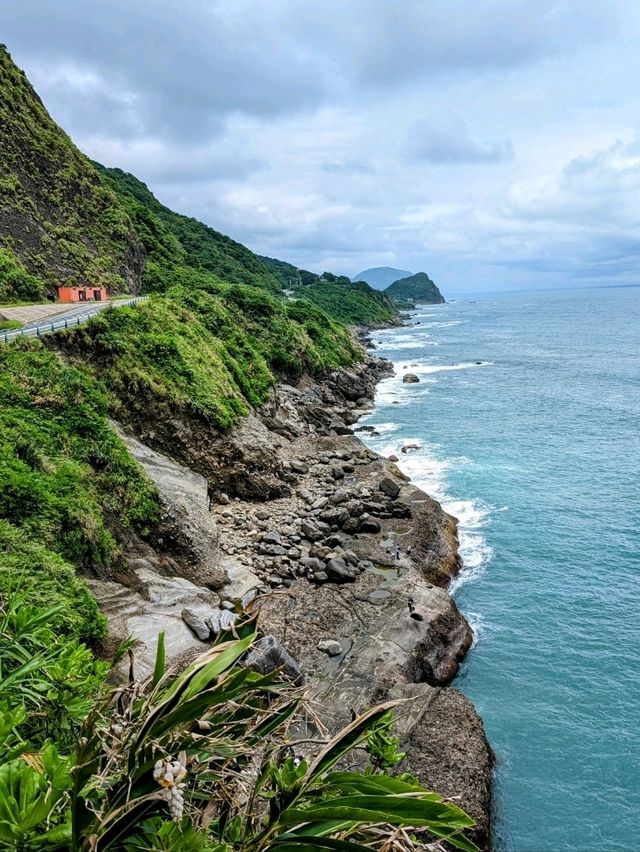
<point>49,326</point>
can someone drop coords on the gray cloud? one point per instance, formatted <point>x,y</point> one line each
<point>474,140</point>
<point>445,138</point>
<point>385,44</point>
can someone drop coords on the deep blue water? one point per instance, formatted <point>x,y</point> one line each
<point>537,451</point>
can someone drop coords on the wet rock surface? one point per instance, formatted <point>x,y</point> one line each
<point>350,560</point>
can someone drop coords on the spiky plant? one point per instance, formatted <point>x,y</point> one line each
<point>202,760</point>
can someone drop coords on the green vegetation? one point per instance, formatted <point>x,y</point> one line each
<point>416,288</point>
<point>56,215</point>
<point>198,760</point>
<point>16,284</point>
<point>172,241</point>
<point>201,760</point>
<point>349,303</point>
<point>8,325</point>
<point>206,353</point>
<point>352,304</point>
<point>67,481</point>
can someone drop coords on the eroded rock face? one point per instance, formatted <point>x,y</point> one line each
<point>358,558</point>
<point>448,743</point>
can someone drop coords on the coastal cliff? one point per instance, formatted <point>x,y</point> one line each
<point>168,464</point>
<point>337,543</point>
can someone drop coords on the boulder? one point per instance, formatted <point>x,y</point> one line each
<point>407,447</point>
<point>369,525</point>
<point>310,531</point>
<point>389,487</point>
<point>410,379</point>
<point>312,563</point>
<point>269,654</point>
<point>337,516</point>
<point>196,624</point>
<point>298,466</point>
<point>339,571</point>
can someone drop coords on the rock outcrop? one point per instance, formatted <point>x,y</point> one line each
<point>349,558</point>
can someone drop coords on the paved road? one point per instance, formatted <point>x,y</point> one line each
<point>67,317</point>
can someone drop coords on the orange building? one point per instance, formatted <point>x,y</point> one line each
<point>82,294</point>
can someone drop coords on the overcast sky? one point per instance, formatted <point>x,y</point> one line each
<point>491,143</point>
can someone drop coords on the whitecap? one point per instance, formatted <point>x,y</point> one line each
<point>428,369</point>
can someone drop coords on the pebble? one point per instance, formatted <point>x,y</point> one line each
<point>331,647</point>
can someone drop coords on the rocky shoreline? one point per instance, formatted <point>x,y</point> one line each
<point>351,562</point>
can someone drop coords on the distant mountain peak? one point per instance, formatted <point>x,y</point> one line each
<point>379,277</point>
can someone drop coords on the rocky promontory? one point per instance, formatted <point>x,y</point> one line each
<point>348,560</point>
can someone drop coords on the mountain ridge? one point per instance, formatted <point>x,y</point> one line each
<point>380,277</point>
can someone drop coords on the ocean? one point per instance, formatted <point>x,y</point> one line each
<point>527,414</point>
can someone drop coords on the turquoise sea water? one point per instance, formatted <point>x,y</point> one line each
<point>537,452</point>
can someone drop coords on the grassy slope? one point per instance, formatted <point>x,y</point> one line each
<point>208,345</point>
<point>56,216</point>
<point>206,353</point>
<point>351,303</point>
<point>66,477</point>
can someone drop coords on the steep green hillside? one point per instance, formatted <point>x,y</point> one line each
<point>67,483</point>
<point>207,352</point>
<point>202,347</point>
<point>57,218</point>
<point>416,288</point>
<point>172,241</point>
<point>379,277</point>
<point>350,303</point>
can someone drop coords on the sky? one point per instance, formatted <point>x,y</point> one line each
<point>494,144</point>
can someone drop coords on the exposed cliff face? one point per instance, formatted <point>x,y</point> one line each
<point>56,216</point>
<point>308,515</point>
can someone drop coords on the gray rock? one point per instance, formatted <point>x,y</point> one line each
<point>227,605</point>
<point>263,514</point>
<point>213,622</point>
<point>340,572</point>
<point>410,379</point>
<point>223,499</point>
<point>335,516</point>
<point>312,563</point>
<point>369,525</point>
<point>350,526</point>
<point>269,654</point>
<point>389,487</point>
<point>227,619</point>
<point>320,503</point>
<point>401,510</point>
<point>196,624</point>
<point>271,549</point>
<point>321,577</point>
<point>331,647</point>
<point>310,531</point>
<point>298,466</point>
<point>271,538</point>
